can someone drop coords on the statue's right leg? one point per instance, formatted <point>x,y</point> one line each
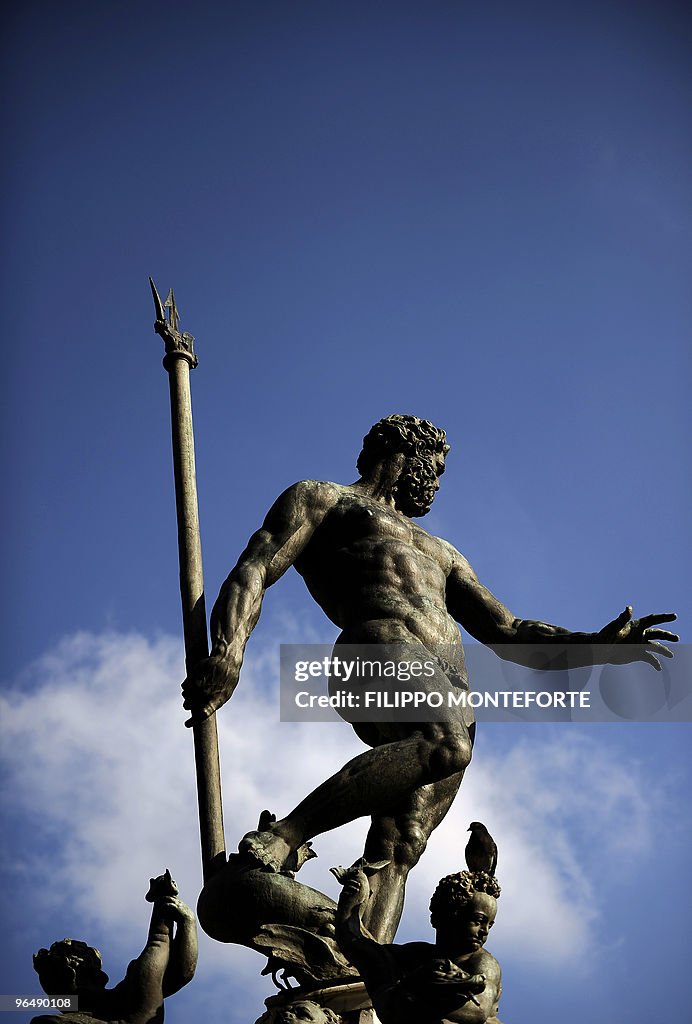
<point>376,783</point>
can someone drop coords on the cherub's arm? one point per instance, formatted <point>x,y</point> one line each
<point>288,527</point>
<point>488,620</point>
<point>166,963</point>
<point>140,994</point>
<point>182,961</point>
<point>484,1005</point>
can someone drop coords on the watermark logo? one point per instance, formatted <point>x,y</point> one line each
<point>512,683</point>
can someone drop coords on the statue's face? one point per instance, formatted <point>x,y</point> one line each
<point>67,973</point>
<point>418,483</point>
<point>475,921</point>
<point>302,1011</point>
<point>58,977</point>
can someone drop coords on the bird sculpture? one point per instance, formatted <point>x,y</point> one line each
<point>481,851</point>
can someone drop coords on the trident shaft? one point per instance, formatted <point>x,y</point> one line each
<point>178,361</point>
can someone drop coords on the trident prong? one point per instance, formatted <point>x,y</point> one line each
<point>158,305</point>
<point>173,314</point>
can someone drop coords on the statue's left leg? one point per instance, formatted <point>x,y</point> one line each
<point>401,839</point>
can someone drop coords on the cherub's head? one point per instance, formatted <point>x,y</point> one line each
<point>463,909</point>
<point>69,967</point>
<point>305,1010</point>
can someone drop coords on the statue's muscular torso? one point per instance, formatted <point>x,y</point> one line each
<point>375,573</point>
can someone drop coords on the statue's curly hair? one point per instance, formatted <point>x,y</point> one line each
<point>48,961</point>
<point>455,891</point>
<point>396,434</point>
<point>330,1016</point>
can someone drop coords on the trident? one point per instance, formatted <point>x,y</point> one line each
<point>178,361</point>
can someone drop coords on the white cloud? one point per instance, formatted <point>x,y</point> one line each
<point>95,748</point>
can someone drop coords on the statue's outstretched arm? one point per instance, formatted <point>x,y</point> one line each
<point>140,993</point>
<point>488,620</point>
<point>182,960</point>
<point>166,963</point>
<point>288,527</point>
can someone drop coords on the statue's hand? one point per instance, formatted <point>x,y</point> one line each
<point>624,630</point>
<point>211,683</point>
<point>176,910</point>
<point>446,972</point>
<point>444,985</point>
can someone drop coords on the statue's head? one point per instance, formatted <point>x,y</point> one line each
<point>69,967</point>
<point>421,449</point>
<point>463,909</point>
<point>305,1010</point>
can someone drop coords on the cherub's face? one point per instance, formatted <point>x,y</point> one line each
<point>301,1011</point>
<point>475,921</point>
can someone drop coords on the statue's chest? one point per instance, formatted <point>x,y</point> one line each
<point>356,525</point>
<point>353,522</point>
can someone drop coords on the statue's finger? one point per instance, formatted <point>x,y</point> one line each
<point>661,634</point>
<point>621,620</point>
<point>651,660</point>
<point>199,715</point>
<point>658,649</point>
<point>653,620</point>
<point>191,700</point>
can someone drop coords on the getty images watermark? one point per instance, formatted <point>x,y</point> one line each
<point>509,683</point>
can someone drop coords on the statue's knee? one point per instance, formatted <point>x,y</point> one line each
<point>413,839</point>
<point>451,755</point>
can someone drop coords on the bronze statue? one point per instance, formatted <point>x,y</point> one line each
<point>164,966</point>
<point>382,580</point>
<point>454,980</point>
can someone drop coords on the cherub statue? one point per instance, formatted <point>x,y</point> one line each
<point>303,1010</point>
<point>164,966</point>
<point>453,980</point>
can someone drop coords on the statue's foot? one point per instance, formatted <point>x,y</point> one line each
<point>268,850</point>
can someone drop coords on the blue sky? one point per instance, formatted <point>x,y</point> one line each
<point>477,213</point>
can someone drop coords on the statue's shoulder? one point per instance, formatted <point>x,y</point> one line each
<point>317,487</point>
<point>483,962</point>
<point>457,562</point>
<point>67,1018</point>
<point>318,495</point>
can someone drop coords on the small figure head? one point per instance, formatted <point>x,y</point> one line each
<point>305,1010</point>
<point>463,909</point>
<point>69,967</point>
<point>420,449</point>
